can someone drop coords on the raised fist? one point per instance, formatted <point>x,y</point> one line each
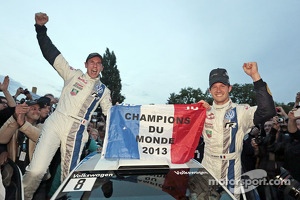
<point>41,18</point>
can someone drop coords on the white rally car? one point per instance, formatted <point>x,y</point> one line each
<point>99,178</point>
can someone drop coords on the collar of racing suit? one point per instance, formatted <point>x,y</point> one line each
<point>219,107</point>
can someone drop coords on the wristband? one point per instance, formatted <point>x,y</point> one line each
<point>22,124</point>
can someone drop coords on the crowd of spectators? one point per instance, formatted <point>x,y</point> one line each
<point>21,119</point>
<point>275,148</point>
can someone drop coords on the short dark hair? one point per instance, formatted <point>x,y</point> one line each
<point>44,101</point>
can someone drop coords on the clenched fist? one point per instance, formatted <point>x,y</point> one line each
<point>41,18</point>
<point>251,69</point>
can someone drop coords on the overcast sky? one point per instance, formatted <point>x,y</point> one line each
<point>161,46</point>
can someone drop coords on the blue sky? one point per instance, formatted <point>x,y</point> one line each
<point>161,46</point>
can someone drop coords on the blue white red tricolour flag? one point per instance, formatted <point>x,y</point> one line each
<point>151,131</point>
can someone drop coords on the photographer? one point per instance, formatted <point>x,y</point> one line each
<point>19,91</point>
<point>283,137</point>
<point>292,124</point>
<point>265,150</point>
<point>292,153</point>
<point>7,109</point>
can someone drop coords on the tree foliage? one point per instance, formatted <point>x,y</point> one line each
<point>240,93</point>
<point>187,96</point>
<point>111,76</point>
<point>243,94</point>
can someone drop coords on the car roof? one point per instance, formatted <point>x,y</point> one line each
<point>95,162</point>
<point>94,166</point>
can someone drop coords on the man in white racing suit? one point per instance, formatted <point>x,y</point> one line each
<point>226,124</point>
<point>66,126</point>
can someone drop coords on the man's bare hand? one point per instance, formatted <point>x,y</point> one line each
<point>41,18</point>
<point>291,115</point>
<point>251,70</point>
<point>205,104</point>
<point>20,111</point>
<point>4,85</point>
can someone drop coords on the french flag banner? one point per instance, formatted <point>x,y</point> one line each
<point>154,131</point>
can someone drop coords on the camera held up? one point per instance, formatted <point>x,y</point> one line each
<point>255,131</point>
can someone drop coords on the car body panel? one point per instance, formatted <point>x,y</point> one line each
<point>99,178</point>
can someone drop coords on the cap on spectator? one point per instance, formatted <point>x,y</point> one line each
<point>31,102</point>
<point>92,55</point>
<point>44,101</point>
<point>218,75</point>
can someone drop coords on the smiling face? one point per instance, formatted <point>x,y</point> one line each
<point>94,67</point>
<point>220,93</point>
<point>33,113</point>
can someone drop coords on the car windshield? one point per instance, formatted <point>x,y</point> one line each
<point>140,184</point>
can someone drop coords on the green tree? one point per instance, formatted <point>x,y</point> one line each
<point>187,95</point>
<point>286,107</point>
<point>243,94</point>
<point>240,93</point>
<point>111,76</point>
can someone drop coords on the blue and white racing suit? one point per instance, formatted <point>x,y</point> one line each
<point>66,126</point>
<point>224,129</point>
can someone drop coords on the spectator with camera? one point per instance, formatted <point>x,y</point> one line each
<point>264,147</point>
<point>271,150</point>
<point>23,124</point>
<point>7,109</point>
<point>25,92</point>
<point>272,143</point>
<point>282,116</point>
<point>283,137</point>
<point>21,132</point>
<point>292,153</point>
<point>291,168</point>
<point>7,102</point>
